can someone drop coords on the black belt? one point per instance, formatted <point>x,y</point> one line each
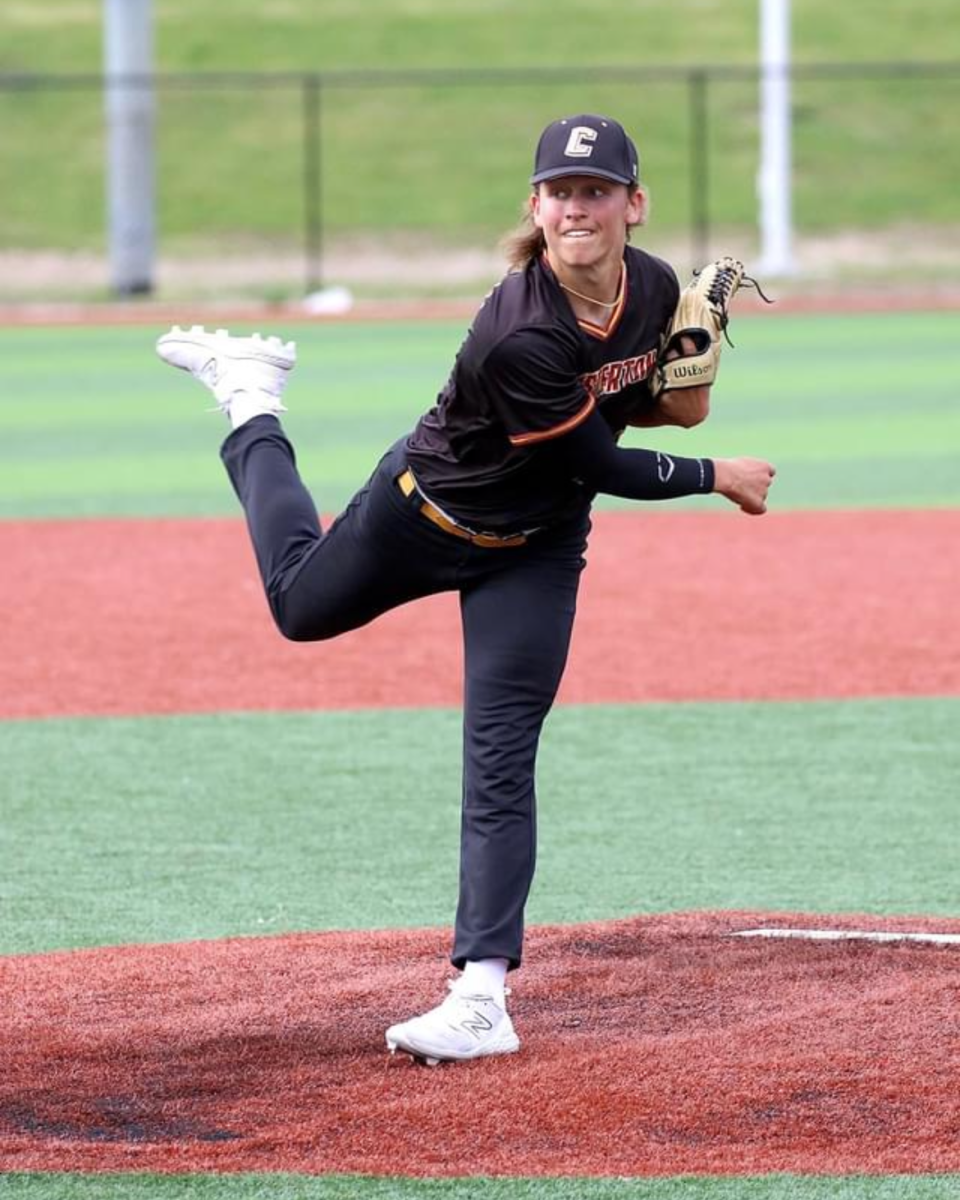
<point>493,541</point>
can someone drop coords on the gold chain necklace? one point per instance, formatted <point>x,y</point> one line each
<point>591,300</point>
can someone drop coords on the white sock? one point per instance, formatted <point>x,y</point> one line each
<point>485,977</point>
<point>246,405</point>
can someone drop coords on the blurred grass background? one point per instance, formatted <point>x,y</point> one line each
<point>445,165</point>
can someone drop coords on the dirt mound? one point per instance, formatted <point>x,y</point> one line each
<point>656,1045</point>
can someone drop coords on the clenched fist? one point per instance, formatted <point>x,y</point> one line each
<point>744,481</point>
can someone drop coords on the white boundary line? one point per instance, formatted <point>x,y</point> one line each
<point>851,935</point>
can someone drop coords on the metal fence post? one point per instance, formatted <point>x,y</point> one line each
<point>699,168</point>
<point>130,116</point>
<point>312,183</point>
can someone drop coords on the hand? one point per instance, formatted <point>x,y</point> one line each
<point>744,481</point>
<point>686,348</point>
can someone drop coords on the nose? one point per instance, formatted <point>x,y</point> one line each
<point>574,208</point>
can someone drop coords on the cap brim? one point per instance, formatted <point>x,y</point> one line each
<point>593,173</point>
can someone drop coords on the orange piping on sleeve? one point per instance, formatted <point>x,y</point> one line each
<point>526,439</point>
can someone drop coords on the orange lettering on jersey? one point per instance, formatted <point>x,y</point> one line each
<point>614,377</point>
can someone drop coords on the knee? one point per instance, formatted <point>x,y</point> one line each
<point>297,633</point>
<point>297,625</point>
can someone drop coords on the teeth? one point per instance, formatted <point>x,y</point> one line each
<point>197,329</point>
<point>222,333</point>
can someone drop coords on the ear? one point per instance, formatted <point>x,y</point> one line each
<point>534,203</point>
<point>638,205</point>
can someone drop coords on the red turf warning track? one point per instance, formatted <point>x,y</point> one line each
<point>130,616</point>
<point>654,1045</point>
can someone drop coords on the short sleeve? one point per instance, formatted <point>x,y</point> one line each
<point>532,384</point>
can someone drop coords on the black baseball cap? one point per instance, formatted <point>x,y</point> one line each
<point>586,145</point>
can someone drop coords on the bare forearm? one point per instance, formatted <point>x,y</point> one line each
<point>685,408</point>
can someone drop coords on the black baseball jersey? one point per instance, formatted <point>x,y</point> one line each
<point>527,373</point>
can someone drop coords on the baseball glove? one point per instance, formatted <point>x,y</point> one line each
<point>690,356</point>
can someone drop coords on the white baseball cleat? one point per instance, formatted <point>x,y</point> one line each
<point>461,1028</point>
<point>242,372</point>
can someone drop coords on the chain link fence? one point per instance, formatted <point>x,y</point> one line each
<point>399,183</point>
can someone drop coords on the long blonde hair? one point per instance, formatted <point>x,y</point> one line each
<point>525,242</point>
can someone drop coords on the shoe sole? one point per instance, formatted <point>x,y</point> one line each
<point>424,1058</point>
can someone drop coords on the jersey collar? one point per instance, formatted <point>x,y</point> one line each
<point>600,332</point>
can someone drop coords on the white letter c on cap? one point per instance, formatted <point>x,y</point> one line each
<point>578,143</point>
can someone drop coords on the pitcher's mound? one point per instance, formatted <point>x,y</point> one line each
<point>655,1045</point>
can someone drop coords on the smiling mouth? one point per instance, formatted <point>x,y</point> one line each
<point>578,233</point>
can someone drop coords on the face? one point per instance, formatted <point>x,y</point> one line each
<point>585,219</point>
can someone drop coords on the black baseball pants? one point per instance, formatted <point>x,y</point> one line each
<point>517,607</point>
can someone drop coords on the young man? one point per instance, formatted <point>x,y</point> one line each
<point>488,496</point>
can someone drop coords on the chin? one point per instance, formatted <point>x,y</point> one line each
<point>579,256</point>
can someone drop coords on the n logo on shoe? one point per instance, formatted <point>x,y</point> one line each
<point>211,372</point>
<point>478,1025</point>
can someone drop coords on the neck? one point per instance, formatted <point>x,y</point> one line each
<point>593,292</point>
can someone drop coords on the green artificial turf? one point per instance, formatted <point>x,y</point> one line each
<point>355,1187</point>
<point>156,829</point>
<point>855,411</point>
